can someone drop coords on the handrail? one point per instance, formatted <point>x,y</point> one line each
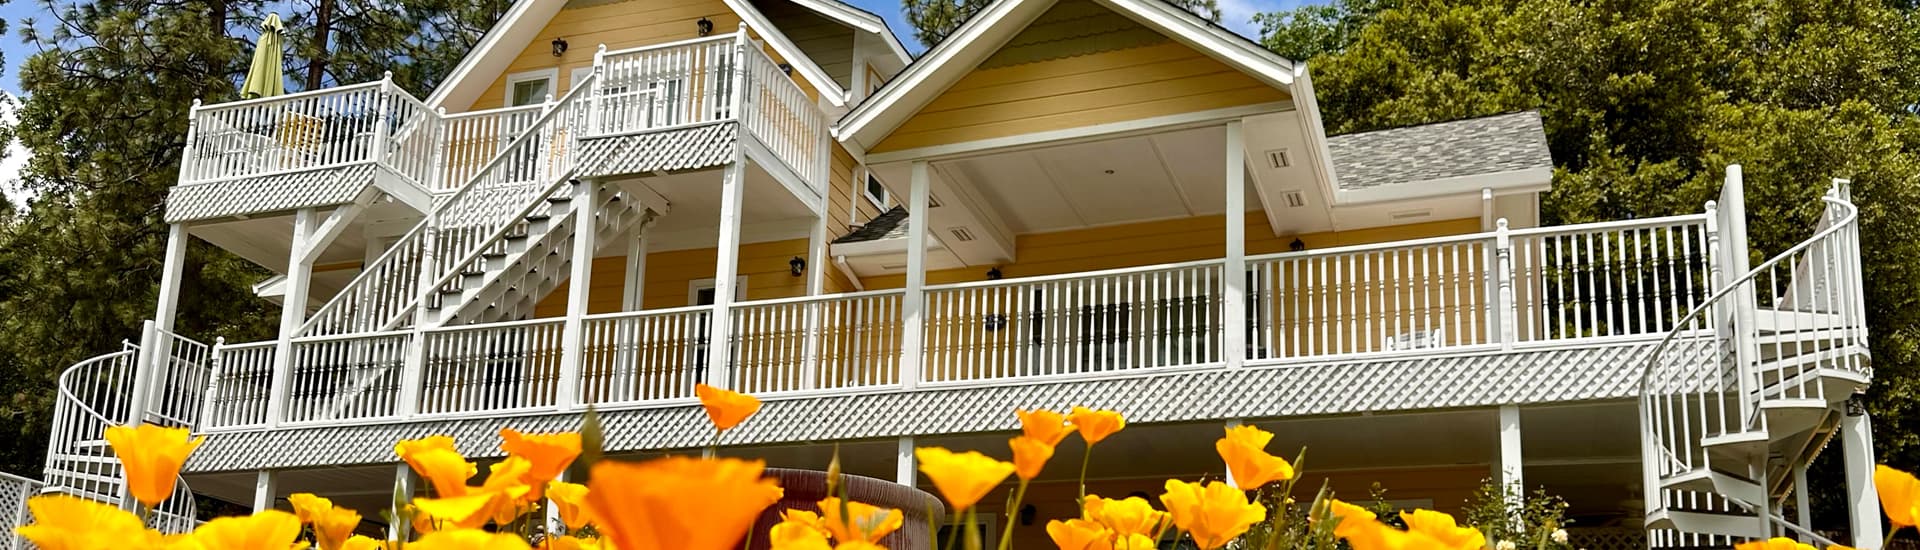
<point>501,324</point>
<point>673,44</point>
<point>647,312</point>
<point>1639,223</point>
<point>1370,247</point>
<point>295,95</point>
<point>78,403</point>
<point>1075,275</point>
<point>493,111</point>
<point>824,297</point>
<point>1653,354</point>
<point>1822,541</point>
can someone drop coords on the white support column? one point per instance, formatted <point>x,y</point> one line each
<point>293,312</point>
<point>1231,424</point>
<point>266,486</point>
<point>172,267</point>
<point>906,469</point>
<point>1505,315</point>
<point>1512,482</point>
<point>817,266</point>
<point>1486,209</point>
<point>152,345</point>
<point>1235,313</point>
<point>913,304</point>
<point>1803,514</point>
<point>579,284</point>
<point>1863,500</point>
<point>634,289</point>
<point>403,484</point>
<point>726,267</point>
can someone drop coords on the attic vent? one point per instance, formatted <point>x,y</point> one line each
<point>961,234</point>
<point>1294,198</point>
<point>1410,214</point>
<point>1278,158</point>
<point>933,201</point>
<point>891,267</point>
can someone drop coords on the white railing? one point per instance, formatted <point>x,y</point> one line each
<point>181,373</point>
<point>94,395</point>
<point>665,86</point>
<point>777,112</point>
<point>1811,307</point>
<point>473,139</point>
<point>412,139</point>
<point>642,356</point>
<point>1609,279</point>
<point>816,342</point>
<point>242,380</point>
<point>341,377</point>
<point>302,131</point>
<point>1398,296</point>
<point>491,367</point>
<point>1157,316</point>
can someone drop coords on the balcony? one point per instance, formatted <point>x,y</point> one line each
<point>1486,292</point>
<point>656,89</point>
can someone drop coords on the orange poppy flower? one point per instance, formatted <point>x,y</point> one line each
<point>1352,518</point>
<point>435,459</point>
<point>1778,543</point>
<point>67,521</point>
<point>1095,426</point>
<point>264,530</point>
<point>151,457</point>
<point>678,503</point>
<point>1214,514</point>
<point>1029,456</point>
<point>864,522</point>
<point>570,499</point>
<point>1128,516</point>
<point>1442,528</point>
<point>469,539</point>
<point>306,506</point>
<point>332,528</point>
<point>566,542</point>
<point>1373,535</point>
<point>798,530</point>
<point>726,408</point>
<point>1044,426</point>
<point>363,542</point>
<point>963,478</point>
<point>1899,496</point>
<point>1079,534</point>
<point>547,454</point>
<point>1244,450</point>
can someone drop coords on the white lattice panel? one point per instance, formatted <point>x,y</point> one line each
<point>14,492</point>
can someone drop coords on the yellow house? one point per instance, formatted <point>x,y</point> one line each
<point>1110,203</point>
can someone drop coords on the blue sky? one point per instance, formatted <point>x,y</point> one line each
<point>1237,15</point>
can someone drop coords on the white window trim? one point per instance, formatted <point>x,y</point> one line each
<point>866,186</point>
<point>579,73</point>
<point>552,76</point>
<point>695,286</point>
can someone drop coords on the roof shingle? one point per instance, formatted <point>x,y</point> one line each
<point>1470,147</point>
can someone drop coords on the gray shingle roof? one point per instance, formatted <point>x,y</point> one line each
<point>1475,146</point>
<point>271,193</point>
<point>888,225</point>
<point>1436,381</point>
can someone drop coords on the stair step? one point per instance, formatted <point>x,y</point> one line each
<point>1711,523</point>
<point>1737,447</point>
<point>1788,416</point>
<point>1705,480</point>
<point>1796,321</point>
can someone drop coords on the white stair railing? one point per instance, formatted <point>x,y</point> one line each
<point>93,395</point>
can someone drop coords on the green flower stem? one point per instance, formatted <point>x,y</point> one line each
<point>1006,535</point>
<point>1084,460</point>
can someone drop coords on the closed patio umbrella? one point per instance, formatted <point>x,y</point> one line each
<point>266,77</point>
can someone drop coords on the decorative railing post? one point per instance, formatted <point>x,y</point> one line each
<point>211,394</point>
<point>741,77</point>
<point>413,373</point>
<point>442,141</point>
<point>142,373</point>
<point>594,106</point>
<point>1506,311</point>
<point>189,167</point>
<point>382,109</point>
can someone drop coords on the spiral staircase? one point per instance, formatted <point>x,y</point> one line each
<point>1754,382</point>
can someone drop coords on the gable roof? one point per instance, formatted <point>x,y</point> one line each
<point>525,19</point>
<point>1513,143</point>
<point>989,29</point>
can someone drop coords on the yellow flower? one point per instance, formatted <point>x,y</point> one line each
<point>1352,518</point>
<point>1442,528</point>
<point>864,522</point>
<point>66,521</point>
<point>798,530</point>
<point>726,408</point>
<point>548,455</point>
<point>307,506</point>
<point>570,499</point>
<point>434,458</point>
<point>461,512</point>
<point>1129,516</point>
<point>332,525</point>
<point>1095,426</point>
<point>504,482</point>
<point>1773,544</point>
<point>964,478</point>
<point>1079,534</point>
<point>1029,456</point>
<point>1244,450</point>
<point>151,456</point>
<point>1135,542</point>
<point>362,542</point>
<point>1899,496</point>
<point>1214,513</point>
<point>1044,426</point>
<point>1373,535</point>
<point>857,545</point>
<point>469,539</point>
<point>678,503</point>
<point>264,530</point>
<point>567,542</point>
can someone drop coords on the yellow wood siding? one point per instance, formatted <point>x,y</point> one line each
<point>619,25</point>
<point>1114,86</point>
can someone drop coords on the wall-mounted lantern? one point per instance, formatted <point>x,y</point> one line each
<point>559,46</point>
<point>797,266</point>
<point>705,25</point>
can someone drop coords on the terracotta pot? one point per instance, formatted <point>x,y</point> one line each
<point>805,488</point>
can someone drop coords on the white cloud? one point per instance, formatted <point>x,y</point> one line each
<point>15,161</point>
<point>1237,15</point>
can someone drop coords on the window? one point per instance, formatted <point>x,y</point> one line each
<point>529,88</point>
<point>876,193</point>
<point>981,526</point>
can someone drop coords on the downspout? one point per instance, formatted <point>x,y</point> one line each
<point>848,271</point>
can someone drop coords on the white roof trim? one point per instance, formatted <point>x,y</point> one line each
<point>939,66</point>
<point>488,43</point>
<point>828,88</point>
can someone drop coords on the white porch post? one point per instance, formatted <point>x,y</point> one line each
<point>726,267</point>
<point>816,285</point>
<point>1512,482</point>
<point>1803,514</point>
<point>913,304</point>
<point>1228,468</point>
<point>579,283</point>
<point>266,484</point>
<point>1235,275</point>
<point>403,484</point>
<point>1863,500</point>
<point>634,288</point>
<point>906,469</point>
<point>293,312</point>
<point>147,360</point>
<point>174,264</point>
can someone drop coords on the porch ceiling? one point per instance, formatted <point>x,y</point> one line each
<point>768,212</point>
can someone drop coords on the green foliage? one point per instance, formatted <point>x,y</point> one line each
<point>105,118</point>
<point>933,20</point>
<point>1528,521</point>
<point>1646,101</point>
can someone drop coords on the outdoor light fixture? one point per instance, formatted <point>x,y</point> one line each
<point>786,68</point>
<point>994,274</point>
<point>1297,245</point>
<point>1026,514</point>
<point>797,266</point>
<point>559,46</point>
<point>706,26</point>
